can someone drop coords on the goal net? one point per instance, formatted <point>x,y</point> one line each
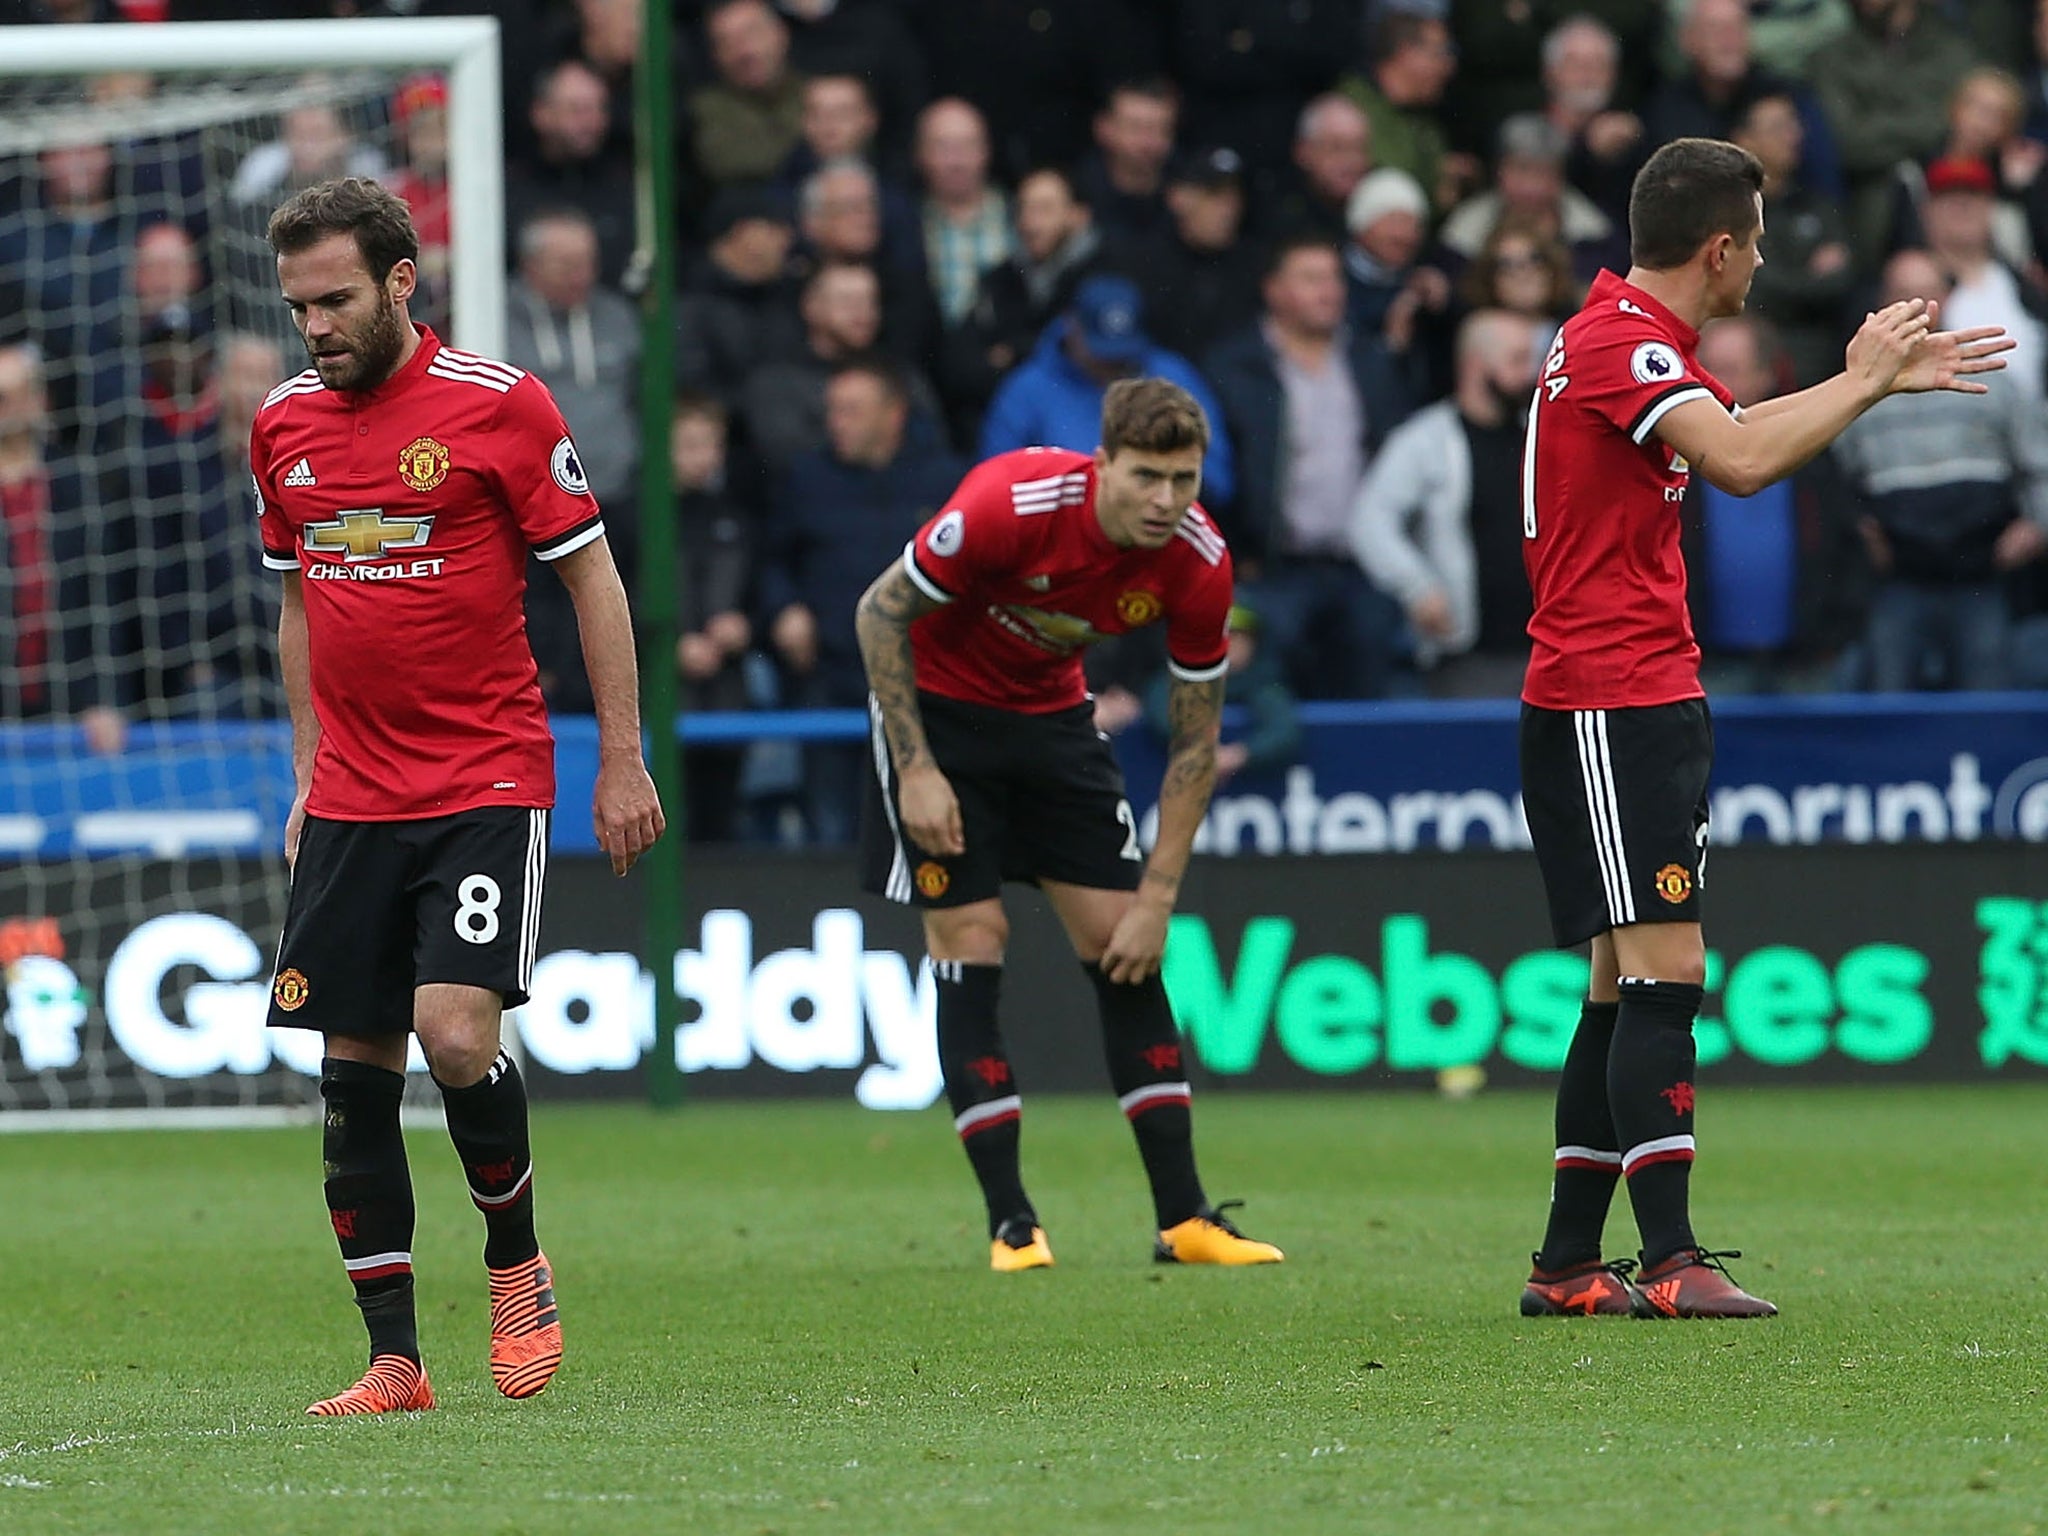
<point>144,757</point>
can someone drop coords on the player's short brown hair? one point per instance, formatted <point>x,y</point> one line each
<point>1690,191</point>
<point>348,205</point>
<point>1152,416</point>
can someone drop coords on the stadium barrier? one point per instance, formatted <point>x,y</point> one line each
<point>1917,963</point>
<point>1373,778</point>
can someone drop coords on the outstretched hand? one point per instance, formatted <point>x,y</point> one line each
<point>1946,359</point>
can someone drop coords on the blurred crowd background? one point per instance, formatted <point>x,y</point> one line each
<point>919,232</point>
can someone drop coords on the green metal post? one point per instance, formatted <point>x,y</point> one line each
<point>654,120</point>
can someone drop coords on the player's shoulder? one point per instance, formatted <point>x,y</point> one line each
<point>1199,541</point>
<point>1031,482</point>
<point>458,372</point>
<point>293,388</point>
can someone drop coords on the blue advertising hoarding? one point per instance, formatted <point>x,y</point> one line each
<point>1373,778</point>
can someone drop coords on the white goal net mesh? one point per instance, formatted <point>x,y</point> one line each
<point>144,765</point>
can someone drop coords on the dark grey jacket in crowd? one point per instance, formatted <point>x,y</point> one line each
<point>1943,474</point>
<point>589,359</point>
<point>725,329</point>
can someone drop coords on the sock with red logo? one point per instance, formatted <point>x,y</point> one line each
<point>1588,1160</point>
<point>1649,1085</point>
<point>980,1086</point>
<point>1144,1049</point>
<point>369,1197</point>
<point>487,1123</point>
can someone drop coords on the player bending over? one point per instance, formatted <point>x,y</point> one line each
<point>988,767</point>
<point>1616,743</point>
<point>402,484</point>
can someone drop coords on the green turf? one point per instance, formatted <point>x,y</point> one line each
<point>779,1321</point>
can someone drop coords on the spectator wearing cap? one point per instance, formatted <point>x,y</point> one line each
<point>1058,248</point>
<point>966,220</point>
<point>1202,276</point>
<point>1124,177</point>
<point>1402,92</point>
<point>1332,154</point>
<point>1528,180</point>
<point>1957,215</point>
<point>1803,286</point>
<point>748,119</point>
<point>569,168</point>
<point>738,306</point>
<point>1886,86</point>
<point>1720,74</point>
<point>1954,503</point>
<point>1389,223</point>
<point>1984,120</point>
<point>1054,398</point>
<point>1308,396</point>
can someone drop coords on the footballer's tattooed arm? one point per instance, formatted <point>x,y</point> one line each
<point>882,623</point>
<point>1194,720</point>
<point>926,806</point>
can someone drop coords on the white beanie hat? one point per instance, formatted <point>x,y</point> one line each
<point>1384,191</point>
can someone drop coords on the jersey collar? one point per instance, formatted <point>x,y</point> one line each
<point>1609,288</point>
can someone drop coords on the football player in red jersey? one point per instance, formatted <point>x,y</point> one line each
<point>1616,743</point>
<point>402,485</point>
<point>988,767</point>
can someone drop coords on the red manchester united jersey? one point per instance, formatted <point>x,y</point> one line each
<point>1029,578</point>
<point>408,511</point>
<point>1601,498</point>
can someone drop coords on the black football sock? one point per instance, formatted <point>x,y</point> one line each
<point>980,1087</point>
<point>1588,1158</point>
<point>1649,1084</point>
<point>487,1123</point>
<point>369,1197</point>
<point>1144,1050</point>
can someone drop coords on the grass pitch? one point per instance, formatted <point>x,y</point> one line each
<point>779,1320</point>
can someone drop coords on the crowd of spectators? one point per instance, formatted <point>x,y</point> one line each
<point>917,232</point>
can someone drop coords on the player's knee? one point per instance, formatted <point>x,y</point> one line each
<point>458,1031</point>
<point>977,935</point>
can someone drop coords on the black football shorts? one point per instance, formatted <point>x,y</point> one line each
<point>378,908</point>
<point>1041,798</point>
<point>1617,807</point>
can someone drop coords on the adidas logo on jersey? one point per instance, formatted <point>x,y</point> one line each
<point>300,474</point>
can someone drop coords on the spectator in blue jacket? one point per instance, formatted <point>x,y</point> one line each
<point>1308,396</point>
<point>845,511</point>
<point>1053,399</point>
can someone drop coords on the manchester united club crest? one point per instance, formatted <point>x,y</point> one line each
<point>424,464</point>
<point>1138,608</point>
<point>291,990</point>
<point>1674,883</point>
<point>932,879</point>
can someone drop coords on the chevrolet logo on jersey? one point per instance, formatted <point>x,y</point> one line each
<point>368,535</point>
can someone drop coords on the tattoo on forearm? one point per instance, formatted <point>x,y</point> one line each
<point>1194,715</point>
<point>882,625</point>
